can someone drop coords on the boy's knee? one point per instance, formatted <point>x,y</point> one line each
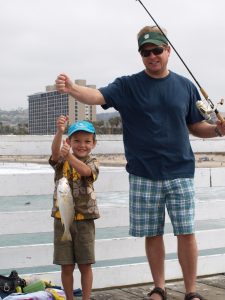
<point>67,269</point>
<point>84,267</point>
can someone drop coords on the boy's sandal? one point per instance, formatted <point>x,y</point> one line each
<point>191,296</point>
<point>156,290</point>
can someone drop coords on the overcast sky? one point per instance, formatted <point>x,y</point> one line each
<point>96,40</point>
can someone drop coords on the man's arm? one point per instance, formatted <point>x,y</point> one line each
<point>206,130</point>
<point>81,93</point>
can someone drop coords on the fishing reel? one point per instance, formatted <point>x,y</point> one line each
<point>207,108</point>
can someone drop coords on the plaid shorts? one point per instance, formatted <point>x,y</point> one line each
<point>148,200</point>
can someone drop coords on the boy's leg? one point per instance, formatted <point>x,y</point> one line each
<point>63,256</point>
<point>67,280</point>
<point>86,280</point>
<point>85,254</point>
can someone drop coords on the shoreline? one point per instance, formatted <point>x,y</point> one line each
<point>202,160</point>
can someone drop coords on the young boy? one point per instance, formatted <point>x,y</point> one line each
<point>73,161</point>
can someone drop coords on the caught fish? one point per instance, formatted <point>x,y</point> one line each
<point>66,207</point>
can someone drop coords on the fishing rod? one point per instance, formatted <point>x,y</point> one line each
<point>205,109</point>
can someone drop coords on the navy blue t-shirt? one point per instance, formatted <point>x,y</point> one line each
<point>155,114</point>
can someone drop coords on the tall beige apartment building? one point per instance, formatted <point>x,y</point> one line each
<point>44,108</point>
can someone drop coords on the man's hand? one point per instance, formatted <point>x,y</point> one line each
<point>64,84</point>
<point>221,127</point>
<point>61,124</point>
<point>83,94</point>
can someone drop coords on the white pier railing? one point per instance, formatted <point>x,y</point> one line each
<point>34,179</point>
<point>39,255</point>
<point>37,145</point>
<point>122,259</point>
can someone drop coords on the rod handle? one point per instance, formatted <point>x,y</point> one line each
<point>204,93</point>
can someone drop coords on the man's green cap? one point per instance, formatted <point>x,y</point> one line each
<point>155,38</point>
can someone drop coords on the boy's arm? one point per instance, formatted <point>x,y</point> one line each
<point>75,163</point>
<point>80,166</point>
<point>56,143</point>
<point>83,94</point>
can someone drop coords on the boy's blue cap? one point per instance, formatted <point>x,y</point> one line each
<point>81,126</point>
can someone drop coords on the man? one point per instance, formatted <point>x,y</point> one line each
<point>158,110</point>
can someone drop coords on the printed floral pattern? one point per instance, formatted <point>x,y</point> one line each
<point>82,188</point>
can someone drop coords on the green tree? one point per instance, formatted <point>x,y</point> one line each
<point>115,125</point>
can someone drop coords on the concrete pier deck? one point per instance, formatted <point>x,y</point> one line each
<point>211,288</point>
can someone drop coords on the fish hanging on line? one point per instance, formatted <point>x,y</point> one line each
<point>66,207</point>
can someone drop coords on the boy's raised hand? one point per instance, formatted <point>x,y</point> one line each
<point>61,124</point>
<point>65,150</point>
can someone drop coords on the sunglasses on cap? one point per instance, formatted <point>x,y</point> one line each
<point>155,51</point>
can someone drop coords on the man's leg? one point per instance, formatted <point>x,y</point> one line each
<point>86,280</point>
<point>181,209</point>
<point>155,252</point>
<point>67,280</point>
<point>187,254</point>
<point>147,218</point>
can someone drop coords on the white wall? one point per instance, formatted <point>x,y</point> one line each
<point>41,144</point>
<point>41,182</point>
<point>111,180</point>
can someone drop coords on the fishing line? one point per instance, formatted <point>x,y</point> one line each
<point>205,110</point>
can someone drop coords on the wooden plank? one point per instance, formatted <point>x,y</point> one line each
<point>142,290</point>
<point>207,291</point>
<point>175,291</point>
<point>216,281</point>
<point>139,291</point>
<point>113,294</point>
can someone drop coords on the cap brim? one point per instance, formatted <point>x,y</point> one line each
<point>85,130</point>
<point>150,41</point>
